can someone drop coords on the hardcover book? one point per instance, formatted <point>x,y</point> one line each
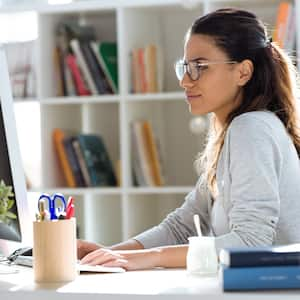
<point>73,161</point>
<point>261,256</point>
<point>58,137</point>
<point>97,160</point>
<point>260,278</point>
<point>106,55</point>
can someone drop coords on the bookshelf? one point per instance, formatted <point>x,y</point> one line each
<point>109,215</point>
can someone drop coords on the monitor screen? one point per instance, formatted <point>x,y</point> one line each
<point>15,221</point>
<point>9,223</point>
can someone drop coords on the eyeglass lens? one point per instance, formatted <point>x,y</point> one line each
<point>190,68</point>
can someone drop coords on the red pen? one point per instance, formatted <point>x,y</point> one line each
<point>70,209</point>
<point>70,212</point>
<point>70,202</point>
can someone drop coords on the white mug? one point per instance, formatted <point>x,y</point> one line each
<point>202,257</point>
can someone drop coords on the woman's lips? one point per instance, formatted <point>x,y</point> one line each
<point>191,97</point>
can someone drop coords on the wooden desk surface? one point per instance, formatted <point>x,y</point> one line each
<point>158,284</point>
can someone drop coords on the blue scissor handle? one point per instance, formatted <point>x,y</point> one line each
<point>52,201</point>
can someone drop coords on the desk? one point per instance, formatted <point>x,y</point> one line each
<point>154,284</point>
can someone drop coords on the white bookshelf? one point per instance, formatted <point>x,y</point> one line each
<point>109,215</point>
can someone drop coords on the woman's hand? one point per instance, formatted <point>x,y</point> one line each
<point>127,259</point>
<point>84,248</point>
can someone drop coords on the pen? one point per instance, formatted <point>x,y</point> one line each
<point>70,202</point>
<point>70,210</point>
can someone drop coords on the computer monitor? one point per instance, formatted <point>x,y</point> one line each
<point>15,221</point>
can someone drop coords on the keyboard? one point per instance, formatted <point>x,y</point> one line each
<point>28,262</point>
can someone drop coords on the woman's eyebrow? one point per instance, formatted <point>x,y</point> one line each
<point>198,58</point>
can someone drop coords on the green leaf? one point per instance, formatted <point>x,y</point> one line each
<point>10,203</point>
<point>10,215</point>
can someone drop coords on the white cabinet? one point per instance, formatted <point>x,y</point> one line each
<point>109,215</point>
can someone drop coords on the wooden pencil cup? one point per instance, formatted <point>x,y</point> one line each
<point>54,250</point>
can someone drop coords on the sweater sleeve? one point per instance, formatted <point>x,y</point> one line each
<point>255,164</point>
<point>178,225</point>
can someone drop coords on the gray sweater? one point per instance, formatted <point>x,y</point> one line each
<point>258,178</point>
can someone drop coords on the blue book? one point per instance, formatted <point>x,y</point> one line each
<point>261,278</point>
<point>261,256</point>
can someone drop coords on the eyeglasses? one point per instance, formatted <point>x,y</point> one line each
<point>194,69</point>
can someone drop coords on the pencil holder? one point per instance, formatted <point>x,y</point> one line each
<point>54,250</point>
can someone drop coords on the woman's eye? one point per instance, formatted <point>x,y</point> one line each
<point>202,67</point>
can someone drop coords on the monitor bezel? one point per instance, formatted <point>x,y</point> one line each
<point>18,176</point>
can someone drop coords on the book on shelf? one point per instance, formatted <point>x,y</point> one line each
<point>140,163</point>
<point>118,171</point>
<point>73,160</point>
<point>102,85</point>
<point>260,278</point>
<point>151,63</point>
<point>153,154</point>
<point>285,27</point>
<point>82,163</point>
<point>60,84</point>
<point>91,71</point>
<point>83,159</point>
<point>260,256</point>
<point>98,162</point>
<point>80,85</point>
<point>63,35</point>
<point>107,57</point>
<point>58,136</point>
<point>146,160</point>
<point>144,69</point>
<point>77,50</point>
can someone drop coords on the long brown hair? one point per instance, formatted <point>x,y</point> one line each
<point>241,35</point>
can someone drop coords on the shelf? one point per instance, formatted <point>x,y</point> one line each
<point>170,96</point>
<point>81,100</point>
<point>160,190</point>
<point>115,191</point>
<point>25,100</point>
<point>60,8</point>
<point>103,5</point>
<point>80,191</point>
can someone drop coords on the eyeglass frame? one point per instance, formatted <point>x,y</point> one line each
<point>198,67</point>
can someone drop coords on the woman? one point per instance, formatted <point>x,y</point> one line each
<point>248,193</point>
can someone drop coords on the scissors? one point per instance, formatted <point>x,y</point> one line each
<point>56,204</point>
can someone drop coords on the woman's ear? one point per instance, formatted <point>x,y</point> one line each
<point>244,72</point>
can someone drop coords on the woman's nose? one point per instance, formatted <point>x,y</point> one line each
<point>186,81</point>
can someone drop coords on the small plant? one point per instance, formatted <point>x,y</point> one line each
<point>6,203</point>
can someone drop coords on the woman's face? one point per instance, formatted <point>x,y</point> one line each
<point>217,90</point>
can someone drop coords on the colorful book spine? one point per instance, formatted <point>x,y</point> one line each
<point>73,161</point>
<point>81,89</point>
<point>83,66</point>
<point>260,278</point>
<point>106,55</point>
<point>58,137</point>
<point>82,164</point>
<point>281,25</point>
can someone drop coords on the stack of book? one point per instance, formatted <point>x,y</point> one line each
<point>83,65</point>
<point>276,267</point>
<point>84,160</point>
